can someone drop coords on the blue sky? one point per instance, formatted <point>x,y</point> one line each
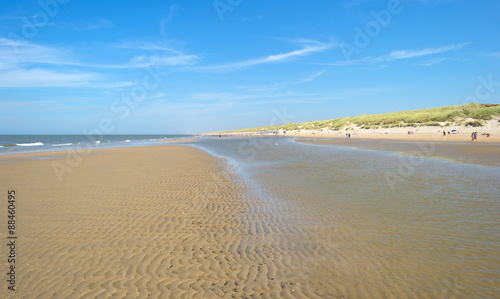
<point>69,66</point>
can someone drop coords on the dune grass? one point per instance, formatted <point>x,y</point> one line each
<point>442,116</point>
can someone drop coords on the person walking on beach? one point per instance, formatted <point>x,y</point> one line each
<point>474,136</point>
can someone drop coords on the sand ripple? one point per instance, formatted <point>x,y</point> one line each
<point>156,222</point>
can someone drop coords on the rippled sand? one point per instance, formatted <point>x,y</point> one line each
<point>290,221</point>
<point>376,224</point>
<point>159,222</point>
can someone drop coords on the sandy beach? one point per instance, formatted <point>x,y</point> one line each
<point>424,133</point>
<point>172,221</point>
<point>383,135</point>
<point>158,222</point>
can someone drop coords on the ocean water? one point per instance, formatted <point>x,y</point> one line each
<point>374,224</point>
<point>30,143</point>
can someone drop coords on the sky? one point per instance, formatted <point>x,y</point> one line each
<point>159,67</point>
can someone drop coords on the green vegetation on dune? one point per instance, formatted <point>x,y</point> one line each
<point>442,116</point>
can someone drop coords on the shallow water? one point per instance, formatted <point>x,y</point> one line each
<point>16,144</point>
<point>371,223</point>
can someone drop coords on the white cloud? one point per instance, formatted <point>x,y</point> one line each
<point>14,53</point>
<point>313,76</point>
<point>402,54</point>
<point>44,78</point>
<point>92,26</point>
<point>164,22</point>
<point>308,49</point>
<point>22,54</point>
<point>433,61</point>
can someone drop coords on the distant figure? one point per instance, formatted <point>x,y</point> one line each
<point>346,136</point>
<point>474,136</point>
<point>349,135</point>
<point>444,133</point>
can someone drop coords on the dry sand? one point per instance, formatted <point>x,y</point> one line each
<point>162,221</point>
<point>424,133</point>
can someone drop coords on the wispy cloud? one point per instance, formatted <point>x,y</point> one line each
<point>492,54</point>
<point>306,50</point>
<point>22,54</point>
<point>231,98</point>
<point>164,22</point>
<point>86,26</point>
<point>143,61</point>
<point>45,78</point>
<point>402,54</point>
<point>26,64</point>
<point>14,53</point>
<point>313,76</point>
<point>433,61</point>
<point>148,46</point>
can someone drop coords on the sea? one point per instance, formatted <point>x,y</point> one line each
<point>10,144</point>
<point>360,222</point>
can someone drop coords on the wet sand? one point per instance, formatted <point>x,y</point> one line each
<point>405,137</point>
<point>187,140</point>
<point>375,224</point>
<point>485,154</point>
<point>171,221</point>
<point>434,137</point>
<point>158,222</point>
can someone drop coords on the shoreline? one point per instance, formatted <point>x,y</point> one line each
<point>453,138</point>
<point>457,133</point>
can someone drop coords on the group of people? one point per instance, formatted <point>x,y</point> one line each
<point>348,135</point>
<point>473,136</point>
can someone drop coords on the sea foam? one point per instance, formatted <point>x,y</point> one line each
<point>30,144</point>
